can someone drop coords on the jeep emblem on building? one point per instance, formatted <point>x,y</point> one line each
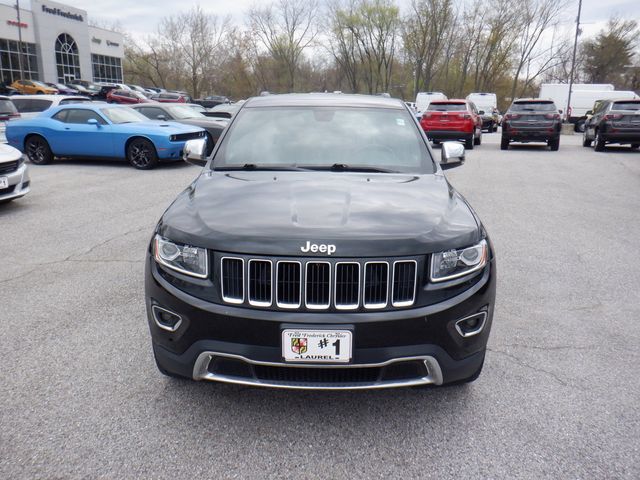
<point>322,248</point>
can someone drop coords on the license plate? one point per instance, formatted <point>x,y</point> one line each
<point>316,346</point>
<point>4,182</point>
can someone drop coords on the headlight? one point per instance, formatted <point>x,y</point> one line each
<point>457,263</point>
<point>181,258</point>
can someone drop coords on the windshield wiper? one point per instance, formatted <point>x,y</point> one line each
<point>343,167</point>
<point>255,167</point>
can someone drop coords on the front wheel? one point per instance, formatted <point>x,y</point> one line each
<point>504,143</point>
<point>478,139</point>
<point>142,154</point>
<point>38,150</point>
<point>585,140</point>
<point>579,127</point>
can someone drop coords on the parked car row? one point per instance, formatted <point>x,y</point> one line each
<point>526,120</point>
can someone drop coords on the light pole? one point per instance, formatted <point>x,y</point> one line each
<point>573,61</point>
<point>20,41</point>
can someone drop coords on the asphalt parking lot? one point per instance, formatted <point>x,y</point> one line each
<point>80,395</point>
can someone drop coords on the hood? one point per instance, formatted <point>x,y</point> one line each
<point>206,122</point>
<point>276,213</point>
<point>165,127</point>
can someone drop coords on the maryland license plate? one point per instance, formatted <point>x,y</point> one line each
<point>316,346</point>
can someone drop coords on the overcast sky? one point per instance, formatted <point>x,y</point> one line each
<point>140,17</point>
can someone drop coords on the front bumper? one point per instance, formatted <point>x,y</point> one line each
<point>416,346</point>
<point>19,183</point>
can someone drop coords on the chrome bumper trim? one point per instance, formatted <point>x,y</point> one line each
<point>201,372</point>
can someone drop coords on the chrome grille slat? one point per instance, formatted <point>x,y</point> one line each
<point>260,282</point>
<point>288,284</point>
<point>232,279</point>
<point>404,283</point>
<point>347,286</point>
<point>376,285</point>
<point>318,284</point>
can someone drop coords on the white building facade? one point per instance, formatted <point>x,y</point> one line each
<point>58,45</point>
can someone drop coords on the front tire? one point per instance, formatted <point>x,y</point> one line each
<point>504,143</point>
<point>141,154</point>
<point>585,140</point>
<point>478,139</point>
<point>38,150</point>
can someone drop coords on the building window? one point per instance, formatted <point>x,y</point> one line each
<point>10,61</point>
<point>67,58</point>
<point>106,69</point>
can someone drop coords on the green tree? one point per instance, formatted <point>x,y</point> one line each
<point>608,56</point>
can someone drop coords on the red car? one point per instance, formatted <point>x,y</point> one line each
<point>453,120</point>
<point>126,97</point>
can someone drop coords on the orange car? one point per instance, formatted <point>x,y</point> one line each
<point>33,86</point>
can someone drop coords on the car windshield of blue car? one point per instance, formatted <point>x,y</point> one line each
<point>180,112</point>
<point>120,115</point>
<point>341,139</point>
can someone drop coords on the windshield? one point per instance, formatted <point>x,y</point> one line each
<point>181,112</point>
<point>626,106</point>
<point>447,107</point>
<point>533,106</point>
<point>325,137</point>
<point>123,115</point>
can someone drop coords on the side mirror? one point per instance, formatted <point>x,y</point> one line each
<point>481,112</point>
<point>93,121</point>
<point>194,152</point>
<point>451,152</point>
<point>589,112</point>
<point>161,117</point>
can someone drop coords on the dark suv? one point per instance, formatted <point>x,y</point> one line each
<point>531,120</point>
<point>321,247</point>
<point>613,121</point>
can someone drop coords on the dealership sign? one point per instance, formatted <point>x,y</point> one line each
<point>13,23</point>
<point>62,13</point>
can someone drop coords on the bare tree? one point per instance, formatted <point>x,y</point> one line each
<point>192,39</point>
<point>285,29</point>
<point>537,17</point>
<point>343,44</point>
<point>425,31</point>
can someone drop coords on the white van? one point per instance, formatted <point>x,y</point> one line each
<point>423,99</point>
<point>559,93</point>
<point>484,101</point>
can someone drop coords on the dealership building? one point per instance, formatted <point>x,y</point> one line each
<point>58,45</point>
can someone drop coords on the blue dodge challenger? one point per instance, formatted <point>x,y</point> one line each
<point>99,131</point>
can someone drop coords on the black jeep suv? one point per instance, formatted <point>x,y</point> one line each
<point>531,120</point>
<point>321,247</point>
<point>613,121</point>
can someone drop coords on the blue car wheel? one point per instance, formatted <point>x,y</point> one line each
<point>38,151</point>
<point>142,154</point>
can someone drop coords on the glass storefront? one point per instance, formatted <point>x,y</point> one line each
<point>10,61</point>
<point>67,58</point>
<point>106,69</point>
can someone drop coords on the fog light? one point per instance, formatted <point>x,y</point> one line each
<point>166,319</point>
<point>471,325</point>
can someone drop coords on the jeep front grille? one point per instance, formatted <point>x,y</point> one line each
<point>314,284</point>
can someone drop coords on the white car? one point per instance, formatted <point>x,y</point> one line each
<point>30,106</point>
<point>14,174</point>
<point>8,112</point>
